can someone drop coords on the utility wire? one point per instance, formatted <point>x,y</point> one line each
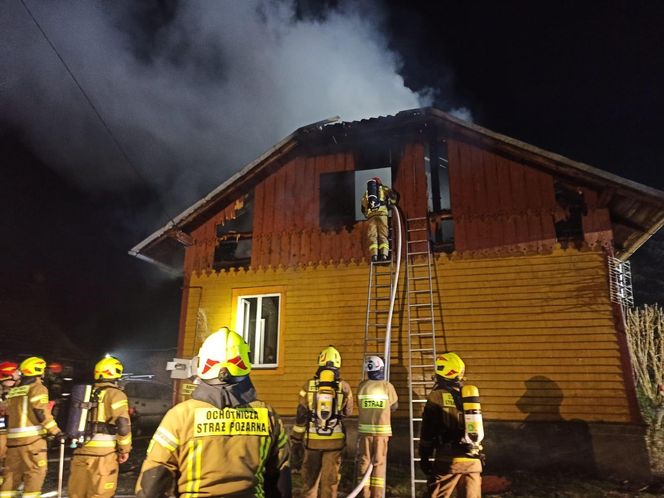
<point>124,154</point>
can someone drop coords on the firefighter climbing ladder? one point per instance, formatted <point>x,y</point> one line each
<point>383,285</point>
<point>421,330</point>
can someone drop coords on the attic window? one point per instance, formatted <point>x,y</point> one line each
<point>569,217</point>
<point>234,237</point>
<point>337,205</point>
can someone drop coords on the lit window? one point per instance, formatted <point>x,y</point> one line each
<point>258,322</point>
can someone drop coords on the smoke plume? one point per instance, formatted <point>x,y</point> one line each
<point>192,90</point>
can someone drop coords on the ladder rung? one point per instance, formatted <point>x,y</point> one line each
<point>419,218</point>
<point>420,382</point>
<point>428,350</point>
<point>418,229</point>
<point>418,419</point>
<point>419,278</point>
<point>380,298</point>
<point>422,334</point>
<point>427,319</point>
<point>416,439</point>
<point>419,265</point>
<point>419,291</point>
<point>422,366</point>
<point>418,241</point>
<point>416,481</point>
<point>419,305</point>
<point>380,286</point>
<point>418,401</point>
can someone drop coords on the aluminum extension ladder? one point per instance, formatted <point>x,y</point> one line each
<point>421,333</point>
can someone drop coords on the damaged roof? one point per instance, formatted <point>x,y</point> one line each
<point>637,211</point>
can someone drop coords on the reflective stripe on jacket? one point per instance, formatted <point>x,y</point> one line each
<point>216,452</point>
<point>374,402</point>
<point>28,416</point>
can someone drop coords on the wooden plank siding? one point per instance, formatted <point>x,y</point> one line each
<point>497,202</point>
<point>536,332</point>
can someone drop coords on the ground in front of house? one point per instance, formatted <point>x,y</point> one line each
<point>523,484</point>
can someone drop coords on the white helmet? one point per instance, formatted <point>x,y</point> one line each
<point>374,364</point>
<point>223,349</point>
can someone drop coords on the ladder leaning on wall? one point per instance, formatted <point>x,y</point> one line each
<point>421,333</point>
<point>381,298</point>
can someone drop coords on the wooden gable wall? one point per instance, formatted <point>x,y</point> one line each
<point>497,202</point>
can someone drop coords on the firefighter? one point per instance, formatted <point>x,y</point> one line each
<point>95,465</point>
<point>375,203</point>
<point>443,430</point>
<point>8,377</point>
<point>319,432</point>
<point>223,441</point>
<point>29,422</point>
<point>376,400</point>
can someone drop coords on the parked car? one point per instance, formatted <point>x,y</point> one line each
<point>149,401</point>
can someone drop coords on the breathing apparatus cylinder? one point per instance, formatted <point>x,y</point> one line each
<point>372,194</point>
<point>77,427</point>
<point>326,400</point>
<point>472,414</point>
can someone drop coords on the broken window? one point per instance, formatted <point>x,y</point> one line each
<point>569,215</point>
<point>436,167</point>
<point>258,323</point>
<point>337,206</point>
<point>234,237</point>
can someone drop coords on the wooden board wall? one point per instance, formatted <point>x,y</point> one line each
<point>537,332</point>
<point>497,202</point>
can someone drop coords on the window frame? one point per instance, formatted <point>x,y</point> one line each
<point>259,292</point>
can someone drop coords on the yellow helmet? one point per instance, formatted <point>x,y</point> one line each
<point>329,357</point>
<point>450,366</point>
<point>108,368</point>
<point>32,367</point>
<point>223,349</point>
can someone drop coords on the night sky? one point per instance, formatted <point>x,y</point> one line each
<point>194,90</point>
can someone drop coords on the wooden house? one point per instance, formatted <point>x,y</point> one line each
<point>524,244</point>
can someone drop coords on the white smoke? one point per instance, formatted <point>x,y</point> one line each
<point>222,82</point>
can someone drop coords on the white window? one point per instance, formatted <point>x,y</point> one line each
<point>258,322</point>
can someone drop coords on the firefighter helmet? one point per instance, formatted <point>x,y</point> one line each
<point>377,180</point>
<point>32,367</point>
<point>223,349</point>
<point>7,370</point>
<point>374,364</point>
<point>329,357</point>
<point>55,367</point>
<point>450,366</point>
<point>108,368</point>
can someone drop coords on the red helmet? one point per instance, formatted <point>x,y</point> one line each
<point>7,370</point>
<point>55,367</point>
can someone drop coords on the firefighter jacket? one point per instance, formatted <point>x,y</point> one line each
<point>109,423</point>
<point>443,426</point>
<point>28,415</point>
<point>221,442</point>
<point>376,399</point>
<point>3,409</point>
<point>386,197</point>
<point>308,426</point>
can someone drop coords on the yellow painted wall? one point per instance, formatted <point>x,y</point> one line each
<point>541,319</point>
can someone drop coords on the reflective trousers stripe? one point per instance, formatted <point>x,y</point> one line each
<point>194,462</point>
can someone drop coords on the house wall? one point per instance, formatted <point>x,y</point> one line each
<point>536,331</point>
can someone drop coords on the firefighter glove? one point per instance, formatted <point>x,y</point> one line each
<point>296,453</point>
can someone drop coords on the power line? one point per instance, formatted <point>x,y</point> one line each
<point>121,149</point>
